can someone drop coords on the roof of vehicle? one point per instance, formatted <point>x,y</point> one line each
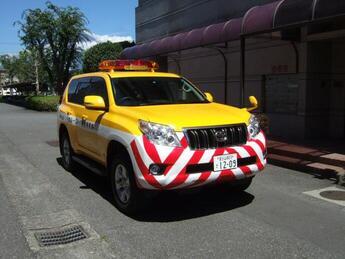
<point>119,74</point>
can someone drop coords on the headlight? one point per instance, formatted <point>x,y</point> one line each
<point>159,134</point>
<point>254,126</point>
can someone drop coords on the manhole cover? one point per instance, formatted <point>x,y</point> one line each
<point>61,237</point>
<point>333,195</point>
<point>53,143</point>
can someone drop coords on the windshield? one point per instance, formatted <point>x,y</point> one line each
<point>141,91</point>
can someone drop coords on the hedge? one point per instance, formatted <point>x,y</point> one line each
<point>42,103</point>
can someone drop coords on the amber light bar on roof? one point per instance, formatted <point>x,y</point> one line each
<point>128,65</point>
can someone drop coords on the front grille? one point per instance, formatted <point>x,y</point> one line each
<point>215,137</point>
<point>208,167</point>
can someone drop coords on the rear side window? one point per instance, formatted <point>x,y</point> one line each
<point>83,89</point>
<point>80,88</point>
<point>72,91</point>
<point>99,88</point>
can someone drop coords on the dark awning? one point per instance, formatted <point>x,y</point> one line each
<point>293,11</point>
<point>258,19</point>
<point>215,33</point>
<point>328,8</point>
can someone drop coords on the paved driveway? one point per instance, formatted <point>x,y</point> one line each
<point>273,219</point>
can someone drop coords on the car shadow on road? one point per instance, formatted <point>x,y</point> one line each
<point>169,206</point>
<point>182,205</point>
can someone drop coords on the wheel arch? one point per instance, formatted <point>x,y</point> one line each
<point>62,129</point>
<point>116,147</point>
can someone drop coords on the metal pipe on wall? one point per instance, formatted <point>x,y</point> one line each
<point>221,52</point>
<point>242,70</point>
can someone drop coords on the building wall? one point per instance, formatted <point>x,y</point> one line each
<point>308,103</point>
<point>159,18</point>
<point>270,65</point>
<point>337,92</point>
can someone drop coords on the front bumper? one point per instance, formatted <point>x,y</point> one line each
<point>186,168</point>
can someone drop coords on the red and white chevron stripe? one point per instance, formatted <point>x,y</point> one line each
<point>144,153</point>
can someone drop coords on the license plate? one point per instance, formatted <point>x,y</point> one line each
<point>224,162</point>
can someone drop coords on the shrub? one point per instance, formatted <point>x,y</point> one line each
<point>42,103</point>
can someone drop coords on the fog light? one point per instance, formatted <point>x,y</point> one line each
<point>157,169</point>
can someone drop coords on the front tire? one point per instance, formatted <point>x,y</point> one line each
<point>66,152</point>
<point>127,196</point>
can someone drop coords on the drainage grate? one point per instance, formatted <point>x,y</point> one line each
<point>61,237</point>
<point>333,195</point>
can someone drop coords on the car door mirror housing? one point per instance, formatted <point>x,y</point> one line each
<point>254,102</point>
<point>94,102</point>
<point>209,97</point>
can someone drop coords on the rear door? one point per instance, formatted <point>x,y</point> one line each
<point>67,113</point>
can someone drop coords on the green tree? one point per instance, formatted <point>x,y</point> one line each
<point>26,67</point>
<point>9,63</point>
<point>102,51</point>
<point>29,68</point>
<point>55,34</point>
<point>127,44</point>
<point>26,63</point>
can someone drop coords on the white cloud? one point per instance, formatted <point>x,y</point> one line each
<point>11,54</point>
<point>97,38</point>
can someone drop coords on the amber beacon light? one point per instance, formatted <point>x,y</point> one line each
<point>128,65</point>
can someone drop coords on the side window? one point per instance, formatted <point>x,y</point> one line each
<point>83,89</point>
<point>99,87</point>
<point>78,89</point>
<point>72,91</point>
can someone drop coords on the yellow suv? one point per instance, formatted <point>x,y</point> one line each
<point>147,130</point>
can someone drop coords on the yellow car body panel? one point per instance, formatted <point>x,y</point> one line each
<point>191,115</point>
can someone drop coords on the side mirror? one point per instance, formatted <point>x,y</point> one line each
<point>93,102</point>
<point>254,102</point>
<point>209,97</point>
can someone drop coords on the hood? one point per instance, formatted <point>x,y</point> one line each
<point>181,116</point>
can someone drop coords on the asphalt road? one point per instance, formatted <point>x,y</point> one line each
<point>273,219</point>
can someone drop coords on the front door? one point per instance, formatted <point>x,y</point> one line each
<point>89,134</point>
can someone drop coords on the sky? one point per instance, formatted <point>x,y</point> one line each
<point>112,20</point>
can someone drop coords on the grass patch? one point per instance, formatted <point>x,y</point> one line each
<point>42,103</point>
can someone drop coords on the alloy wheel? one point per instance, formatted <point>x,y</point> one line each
<point>122,184</point>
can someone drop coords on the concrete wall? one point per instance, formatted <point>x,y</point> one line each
<point>325,89</point>
<point>337,92</point>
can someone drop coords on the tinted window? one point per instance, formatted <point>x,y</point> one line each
<point>99,88</point>
<point>140,91</point>
<point>83,90</point>
<point>90,86</point>
<point>72,91</point>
